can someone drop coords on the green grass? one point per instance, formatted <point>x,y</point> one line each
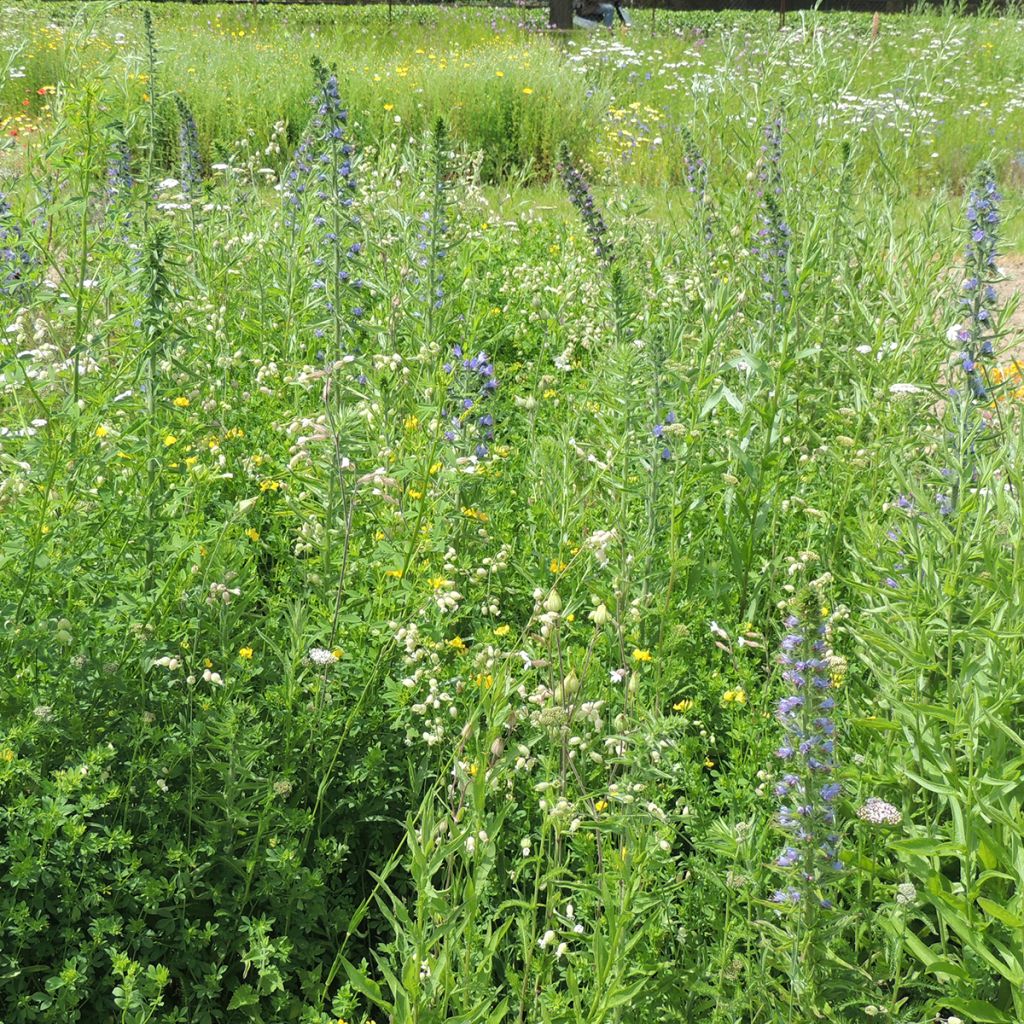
<point>329,697</point>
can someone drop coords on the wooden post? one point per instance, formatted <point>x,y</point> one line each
<point>561,13</point>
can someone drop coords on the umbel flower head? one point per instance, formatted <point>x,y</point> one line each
<point>875,811</point>
<point>807,791</point>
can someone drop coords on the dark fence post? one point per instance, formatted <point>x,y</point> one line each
<point>561,13</point>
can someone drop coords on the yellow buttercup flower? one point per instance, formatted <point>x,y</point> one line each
<point>736,696</point>
<point>683,705</point>
<point>245,653</point>
<point>639,655</point>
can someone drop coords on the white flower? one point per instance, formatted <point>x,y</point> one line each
<point>905,389</point>
<point>546,939</point>
<point>877,812</point>
<point>322,656</point>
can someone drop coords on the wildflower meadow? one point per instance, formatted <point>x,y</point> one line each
<point>510,527</point>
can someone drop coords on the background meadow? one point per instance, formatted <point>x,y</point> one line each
<point>509,528</point>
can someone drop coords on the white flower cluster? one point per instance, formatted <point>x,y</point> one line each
<point>876,811</point>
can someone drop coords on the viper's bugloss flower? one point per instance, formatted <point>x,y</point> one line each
<point>473,382</point>
<point>17,266</point>
<point>806,789</point>
<point>773,237</point>
<point>695,171</point>
<point>976,331</point>
<point>188,150</point>
<point>580,196</point>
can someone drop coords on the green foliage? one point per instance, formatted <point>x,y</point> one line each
<point>391,590</point>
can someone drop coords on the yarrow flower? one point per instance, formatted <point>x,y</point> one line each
<point>876,811</point>
<point>321,656</point>
<point>806,790</point>
<point>906,894</point>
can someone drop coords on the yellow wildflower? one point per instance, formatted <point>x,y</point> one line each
<point>601,805</point>
<point>737,696</point>
<point>557,565</point>
<point>683,706</point>
<point>182,402</point>
<point>639,655</point>
<point>394,573</point>
<point>457,643</point>
<point>101,431</point>
<point>502,630</point>
<point>169,439</point>
<point>253,534</point>
<point>245,653</point>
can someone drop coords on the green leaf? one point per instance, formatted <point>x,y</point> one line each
<point>1000,913</point>
<point>245,995</point>
<point>980,1011</point>
<point>365,986</point>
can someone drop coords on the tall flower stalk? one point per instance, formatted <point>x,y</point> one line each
<point>807,790</point>
<point>188,150</point>
<point>695,169</point>
<point>581,197</point>
<point>334,190</point>
<point>976,332</point>
<point>773,237</point>
<point>17,265</point>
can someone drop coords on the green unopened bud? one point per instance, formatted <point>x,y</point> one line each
<point>600,616</point>
<point>553,603</point>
